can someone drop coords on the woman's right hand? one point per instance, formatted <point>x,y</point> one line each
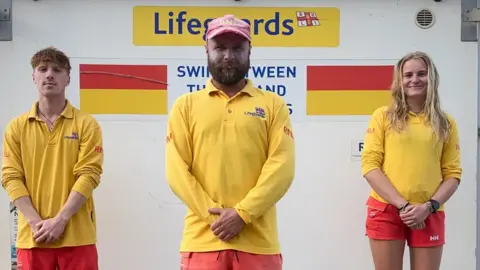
<point>419,226</point>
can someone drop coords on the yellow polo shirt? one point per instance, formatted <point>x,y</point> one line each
<point>414,161</point>
<point>233,153</point>
<point>47,166</point>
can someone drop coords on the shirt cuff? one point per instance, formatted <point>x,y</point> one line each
<point>83,186</point>
<point>17,191</point>
<point>244,215</point>
<point>455,176</point>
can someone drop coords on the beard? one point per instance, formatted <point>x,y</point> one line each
<point>225,76</point>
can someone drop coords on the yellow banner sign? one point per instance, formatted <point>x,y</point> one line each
<point>270,26</point>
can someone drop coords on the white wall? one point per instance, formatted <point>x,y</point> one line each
<point>139,219</point>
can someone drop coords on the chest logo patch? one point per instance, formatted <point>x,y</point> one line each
<point>74,136</point>
<point>259,112</point>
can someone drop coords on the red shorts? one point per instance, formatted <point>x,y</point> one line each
<point>229,259</point>
<point>384,223</point>
<point>66,258</point>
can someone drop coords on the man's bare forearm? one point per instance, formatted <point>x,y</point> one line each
<point>74,202</point>
<point>25,206</point>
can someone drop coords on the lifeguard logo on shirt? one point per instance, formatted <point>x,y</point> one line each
<point>169,138</point>
<point>74,136</point>
<point>288,131</point>
<point>99,149</point>
<point>259,112</point>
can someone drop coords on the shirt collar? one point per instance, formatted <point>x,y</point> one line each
<point>420,114</point>
<point>67,112</point>
<point>249,88</point>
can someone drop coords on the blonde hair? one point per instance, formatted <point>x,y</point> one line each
<point>398,110</point>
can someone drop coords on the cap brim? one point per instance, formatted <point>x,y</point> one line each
<point>224,30</point>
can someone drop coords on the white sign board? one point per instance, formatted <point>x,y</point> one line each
<point>13,235</point>
<point>356,150</point>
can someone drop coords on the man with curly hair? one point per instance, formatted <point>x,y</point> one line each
<point>52,162</point>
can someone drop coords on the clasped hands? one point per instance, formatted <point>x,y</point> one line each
<point>48,230</point>
<point>228,225</point>
<point>414,216</point>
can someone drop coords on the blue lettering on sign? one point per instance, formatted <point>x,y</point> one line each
<point>179,24</point>
<point>282,72</point>
<point>290,109</point>
<point>360,146</point>
<point>195,87</point>
<point>193,72</point>
<point>279,89</point>
<point>278,72</point>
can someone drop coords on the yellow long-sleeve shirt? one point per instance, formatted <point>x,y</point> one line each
<point>414,161</point>
<point>47,166</point>
<point>233,153</point>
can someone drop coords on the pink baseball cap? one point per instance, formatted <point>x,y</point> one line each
<point>228,24</point>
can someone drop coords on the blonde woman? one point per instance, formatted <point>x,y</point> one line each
<point>411,159</point>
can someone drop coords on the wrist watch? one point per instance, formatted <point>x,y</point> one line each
<point>434,205</point>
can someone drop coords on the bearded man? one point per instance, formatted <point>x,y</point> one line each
<point>230,157</point>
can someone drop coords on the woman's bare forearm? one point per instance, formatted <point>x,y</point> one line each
<point>382,186</point>
<point>446,190</point>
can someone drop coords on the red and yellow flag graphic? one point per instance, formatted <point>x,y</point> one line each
<point>347,90</point>
<point>123,89</point>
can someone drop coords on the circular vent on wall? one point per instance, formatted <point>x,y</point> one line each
<point>424,19</point>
